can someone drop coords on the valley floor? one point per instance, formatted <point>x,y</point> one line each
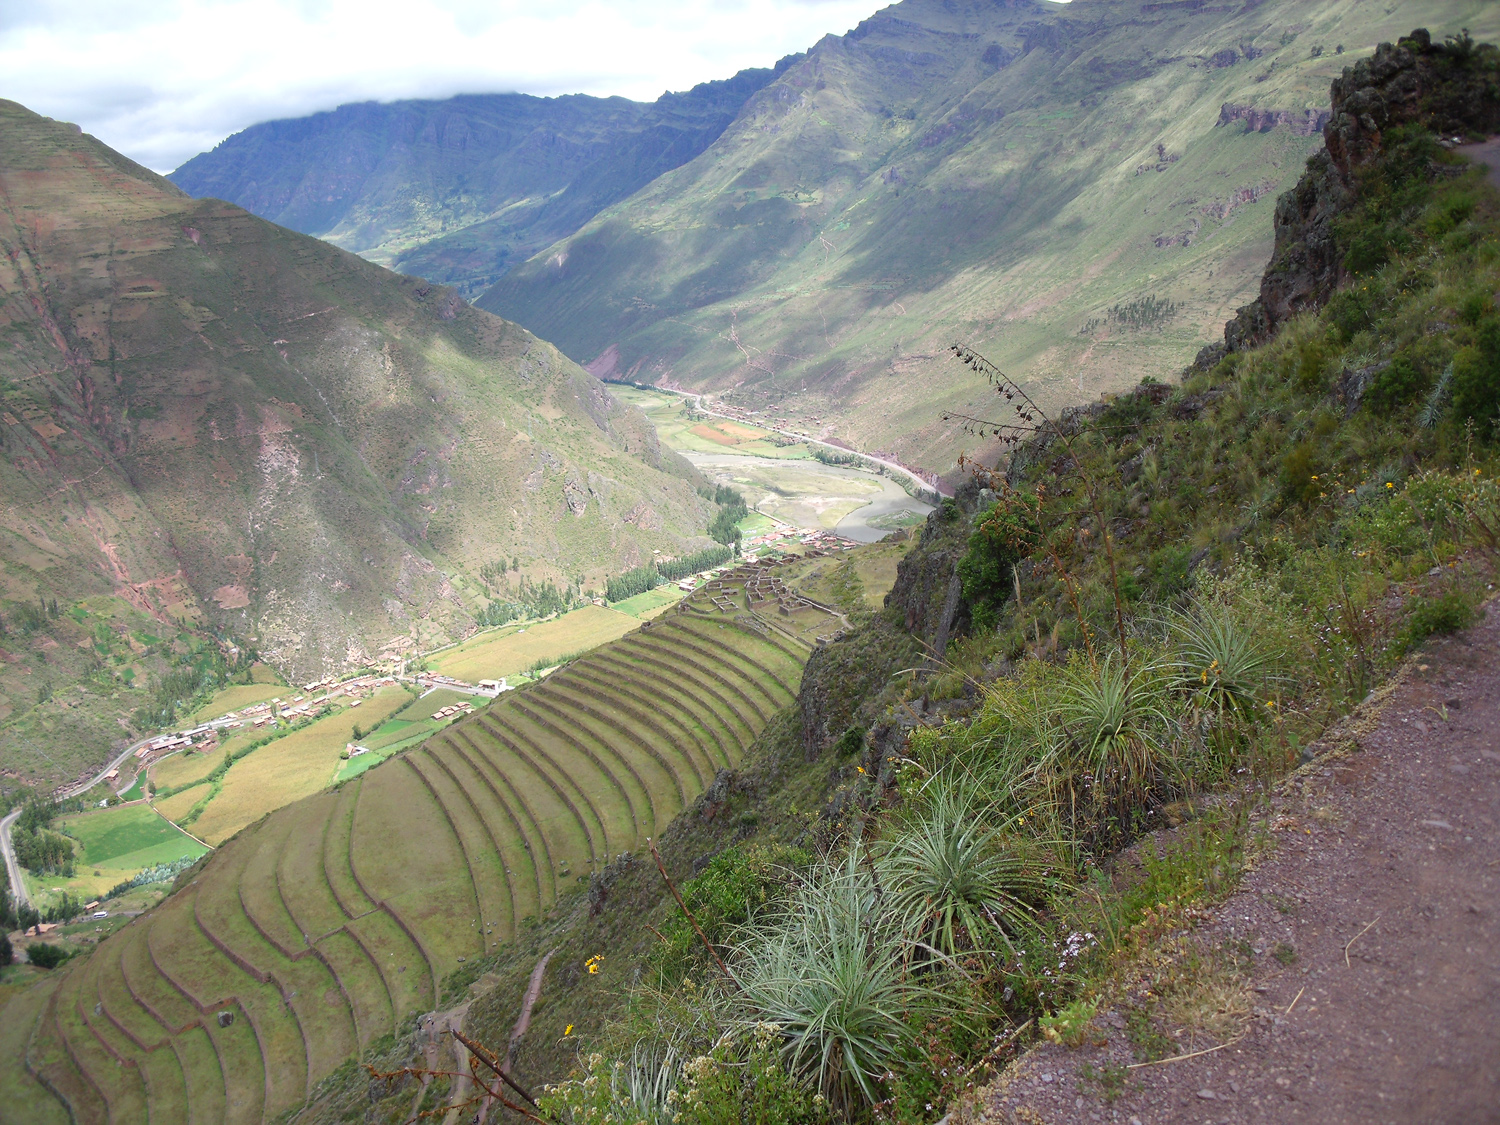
<point>1369,938</point>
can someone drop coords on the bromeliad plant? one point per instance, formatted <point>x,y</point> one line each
<point>832,968</point>
<point>959,875</point>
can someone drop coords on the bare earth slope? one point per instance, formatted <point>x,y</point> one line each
<point>237,427</point>
<point>1381,896</point>
<point>1083,192</point>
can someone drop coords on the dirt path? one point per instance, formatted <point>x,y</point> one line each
<point>1371,935</point>
<point>533,990</point>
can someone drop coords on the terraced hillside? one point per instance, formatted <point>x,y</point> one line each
<point>323,927</point>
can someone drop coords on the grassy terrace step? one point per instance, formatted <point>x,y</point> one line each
<point>618,796</point>
<point>586,825</point>
<point>731,679</point>
<point>489,752</point>
<point>571,696</point>
<point>689,741</point>
<point>701,723</point>
<point>19,1087</point>
<point>327,924</point>
<point>423,883</point>
<point>608,728</point>
<point>650,775</point>
<point>486,867</point>
<point>704,634</point>
<point>644,660</point>
<point>471,768</point>
<point>202,1078</point>
<point>119,1086</point>
<point>351,897</point>
<point>765,631</point>
<point>53,1061</point>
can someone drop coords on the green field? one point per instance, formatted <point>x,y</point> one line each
<point>117,843</point>
<point>345,910</point>
<point>650,603</point>
<point>185,767</point>
<point>288,769</point>
<point>511,650</point>
<point>237,696</point>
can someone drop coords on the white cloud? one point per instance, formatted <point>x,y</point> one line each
<point>164,81</point>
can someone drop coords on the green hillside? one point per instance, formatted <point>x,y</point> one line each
<point>218,436</point>
<point>325,926</point>
<point>458,191</point>
<point>1085,192</point>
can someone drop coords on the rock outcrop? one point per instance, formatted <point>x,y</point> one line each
<point>1446,87</point>
<point>1302,122</point>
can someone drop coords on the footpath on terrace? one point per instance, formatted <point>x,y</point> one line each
<point>1371,933</point>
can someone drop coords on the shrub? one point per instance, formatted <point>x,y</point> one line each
<point>7,951</point>
<point>829,968</point>
<point>1398,384</point>
<point>1433,616</point>
<point>1111,729</point>
<point>1220,658</point>
<point>1476,378</point>
<point>45,956</point>
<point>1002,537</point>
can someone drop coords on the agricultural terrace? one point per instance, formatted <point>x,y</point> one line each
<point>290,768</point>
<point>111,846</point>
<point>329,922</point>
<point>510,650</point>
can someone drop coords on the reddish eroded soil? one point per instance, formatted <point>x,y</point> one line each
<point>1402,830</point>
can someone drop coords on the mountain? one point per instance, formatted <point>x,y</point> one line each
<point>459,190</point>
<point>1084,192</point>
<point>226,428</point>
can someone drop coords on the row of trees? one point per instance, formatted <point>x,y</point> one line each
<point>706,559</point>
<point>632,582</point>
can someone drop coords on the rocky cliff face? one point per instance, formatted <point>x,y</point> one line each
<point>1441,86</point>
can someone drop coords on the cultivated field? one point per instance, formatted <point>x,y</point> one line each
<point>513,649</point>
<point>117,843</point>
<point>264,684</point>
<point>668,412</point>
<point>336,918</point>
<point>649,604</point>
<point>290,768</point>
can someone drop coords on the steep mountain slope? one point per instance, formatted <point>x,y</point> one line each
<point>332,922</point>
<point>226,425</point>
<point>1083,191</point>
<point>459,190</point>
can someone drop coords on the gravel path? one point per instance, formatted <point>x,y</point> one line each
<point>1370,936</point>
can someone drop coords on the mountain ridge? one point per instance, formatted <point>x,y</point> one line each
<point>1025,177</point>
<point>459,189</point>
<point>245,433</point>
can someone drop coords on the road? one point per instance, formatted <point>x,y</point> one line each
<point>925,491</point>
<point>12,868</point>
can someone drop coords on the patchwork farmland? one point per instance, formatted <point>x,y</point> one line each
<point>328,923</point>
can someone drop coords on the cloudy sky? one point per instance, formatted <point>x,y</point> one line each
<point>163,81</point>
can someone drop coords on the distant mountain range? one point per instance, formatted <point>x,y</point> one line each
<point>230,427</point>
<point>462,189</point>
<point>1083,191</point>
